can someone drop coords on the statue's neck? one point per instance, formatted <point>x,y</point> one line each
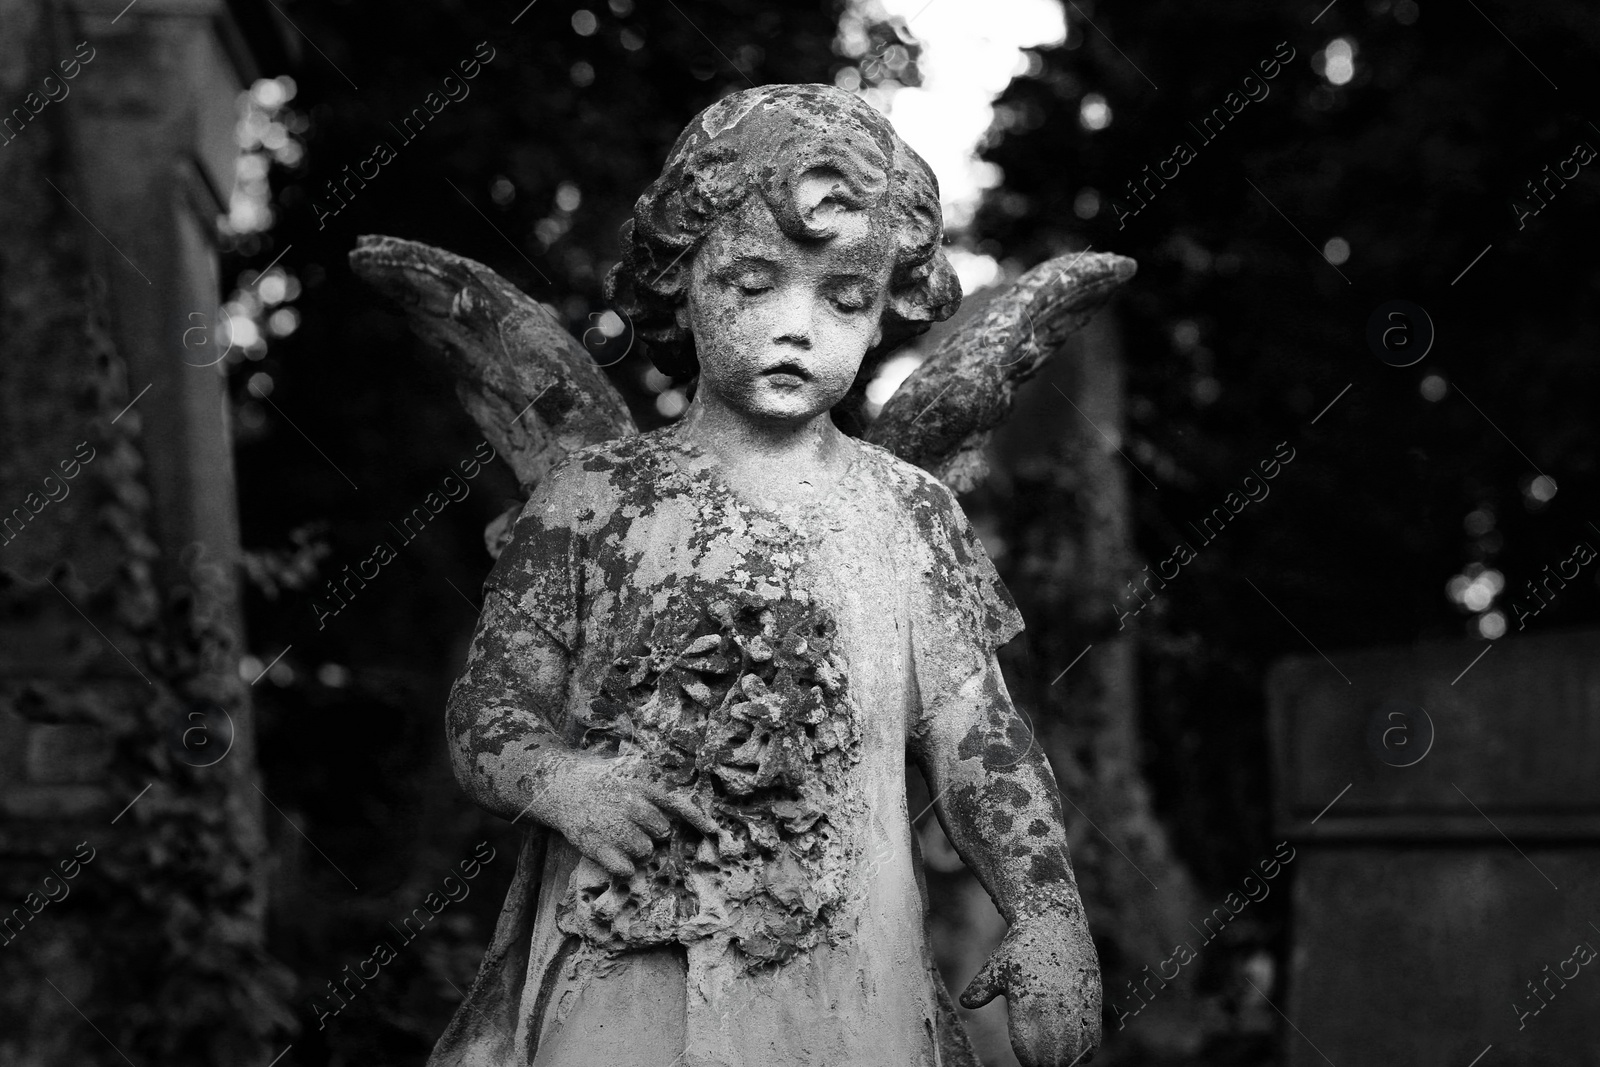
<point>767,459</point>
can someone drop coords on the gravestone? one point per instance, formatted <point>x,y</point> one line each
<point>1446,813</point>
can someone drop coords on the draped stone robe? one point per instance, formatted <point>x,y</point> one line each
<point>773,661</point>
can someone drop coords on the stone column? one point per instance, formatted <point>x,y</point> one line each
<point>119,623</point>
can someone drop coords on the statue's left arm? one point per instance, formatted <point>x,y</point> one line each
<point>997,799</point>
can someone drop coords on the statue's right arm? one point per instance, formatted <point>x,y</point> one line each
<point>512,759</point>
<point>507,752</point>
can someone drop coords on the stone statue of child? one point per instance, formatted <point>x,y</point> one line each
<point>707,652</point>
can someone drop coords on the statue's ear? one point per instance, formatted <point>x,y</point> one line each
<point>681,315</point>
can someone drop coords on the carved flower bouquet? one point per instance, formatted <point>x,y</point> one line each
<point>751,712</point>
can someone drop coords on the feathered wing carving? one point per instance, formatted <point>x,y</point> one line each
<point>537,394</point>
<point>506,350</point>
<point>943,414</point>
<point>534,391</point>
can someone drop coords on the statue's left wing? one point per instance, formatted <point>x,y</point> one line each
<point>942,415</point>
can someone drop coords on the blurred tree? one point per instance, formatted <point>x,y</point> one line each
<point>1356,153</point>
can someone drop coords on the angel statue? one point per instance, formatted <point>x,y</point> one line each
<point>706,652</point>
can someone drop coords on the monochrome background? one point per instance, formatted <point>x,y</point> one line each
<point>1302,525</point>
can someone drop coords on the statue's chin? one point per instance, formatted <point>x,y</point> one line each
<point>784,398</point>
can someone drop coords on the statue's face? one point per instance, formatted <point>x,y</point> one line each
<point>780,325</point>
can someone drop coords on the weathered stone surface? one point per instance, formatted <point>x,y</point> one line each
<point>746,703</point>
<point>673,664</point>
<point>707,652</point>
<point>1448,826</point>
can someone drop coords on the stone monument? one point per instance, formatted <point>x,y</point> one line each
<point>707,652</point>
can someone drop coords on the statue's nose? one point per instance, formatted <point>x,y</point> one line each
<point>792,318</point>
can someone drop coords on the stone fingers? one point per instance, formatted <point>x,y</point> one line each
<point>649,818</point>
<point>985,987</point>
<point>611,859</point>
<point>1047,1034</point>
<point>683,805</point>
<point>635,842</point>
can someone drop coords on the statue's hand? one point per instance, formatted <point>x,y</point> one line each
<point>1050,976</point>
<point>611,809</point>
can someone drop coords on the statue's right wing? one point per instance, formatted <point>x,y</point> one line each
<point>533,390</point>
<point>536,393</point>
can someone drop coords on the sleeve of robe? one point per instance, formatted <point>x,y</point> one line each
<point>964,610</point>
<point>538,572</point>
<point>538,576</point>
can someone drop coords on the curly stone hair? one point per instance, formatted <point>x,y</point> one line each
<point>768,140</point>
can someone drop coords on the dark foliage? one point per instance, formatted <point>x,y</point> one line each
<point>1239,333</point>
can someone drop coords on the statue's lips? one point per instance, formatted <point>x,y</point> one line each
<point>793,370</point>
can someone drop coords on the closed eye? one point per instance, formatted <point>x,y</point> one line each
<point>853,297</point>
<point>749,277</point>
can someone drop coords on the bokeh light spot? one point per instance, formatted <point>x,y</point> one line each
<point>1094,113</point>
<point>1339,61</point>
